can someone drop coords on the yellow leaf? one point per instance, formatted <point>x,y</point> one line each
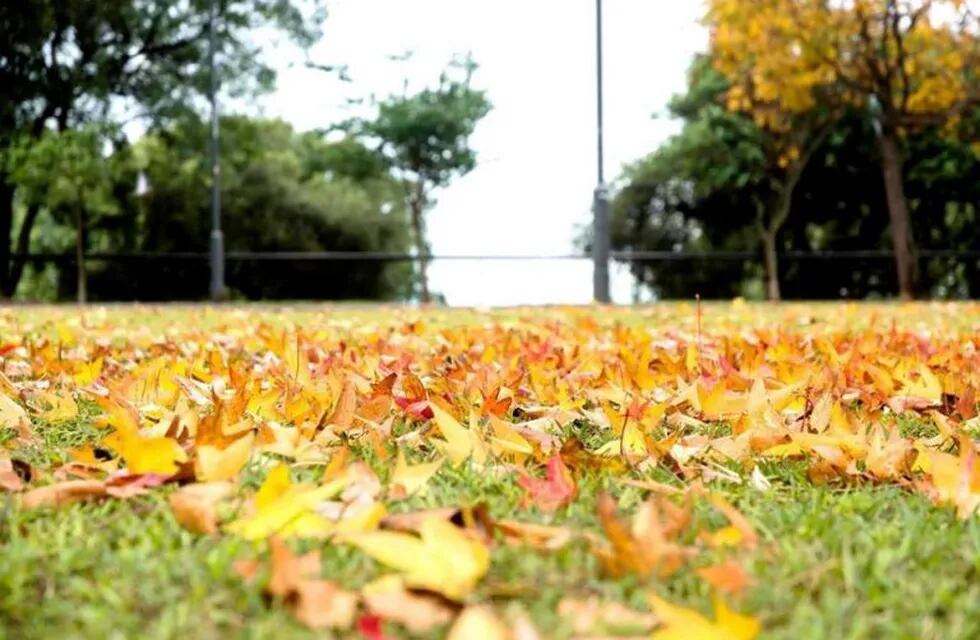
<point>680,623</point>
<point>478,621</point>
<point>443,559</point>
<point>630,443</point>
<point>413,478</point>
<point>146,455</point>
<point>505,440</point>
<point>61,408</point>
<point>11,413</point>
<point>788,450</point>
<point>285,508</point>
<point>458,445</point>
<point>215,464</point>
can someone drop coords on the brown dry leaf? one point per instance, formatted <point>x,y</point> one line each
<point>891,458</point>
<point>418,612</point>
<point>63,493</point>
<point>194,506</point>
<point>342,415</point>
<point>649,545</point>
<point>317,603</point>
<point>128,485</point>
<point>538,536</point>
<point>593,616</point>
<point>10,480</point>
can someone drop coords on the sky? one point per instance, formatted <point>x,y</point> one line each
<point>532,188</point>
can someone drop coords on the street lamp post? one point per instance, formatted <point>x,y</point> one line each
<point>217,253</point>
<point>600,229</point>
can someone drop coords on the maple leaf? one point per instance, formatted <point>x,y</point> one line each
<point>317,603</point>
<point>10,480</point>
<point>728,577</point>
<point>195,505</point>
<point>411,479</point>
<point>686,624</point>
<point>143,454</point>
<point>287,509</point>
<point>63,493</point>
<point>442,559</point>
<point>648,545</point>
<point>420,613</point>
<point>460,443</point>
<point>953,480</point>
<point>555,491</point>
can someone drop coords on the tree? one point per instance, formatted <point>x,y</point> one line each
<point>910,64</point>
<point>281,191</point>
<point>773,158</point>
<point>723,170</point>
<point>67,174</point>
<point>67,62</point>
<point>424,138</point>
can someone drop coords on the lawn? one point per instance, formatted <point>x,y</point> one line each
<point>736,470</point>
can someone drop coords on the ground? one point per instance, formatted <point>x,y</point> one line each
<point>838,440</point>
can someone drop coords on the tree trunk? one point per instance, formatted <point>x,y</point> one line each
<point>82,289</point>
<point>418,230</point>
<point>6,226</point>
<point>898,214</point>
<point>772,264</point>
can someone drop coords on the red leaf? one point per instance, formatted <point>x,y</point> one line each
<point>552,493</point>
<point>370,627</point>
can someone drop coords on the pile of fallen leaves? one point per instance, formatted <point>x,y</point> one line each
<point>193,402</point>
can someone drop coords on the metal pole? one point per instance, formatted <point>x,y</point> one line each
<point>217,237</point>
<point>600,229</point>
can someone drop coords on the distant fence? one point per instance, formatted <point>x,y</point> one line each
<point>391,256</point>
<point>805,271</point>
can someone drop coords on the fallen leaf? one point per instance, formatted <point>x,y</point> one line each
<point>342,415</point>
<point>728,577</point>
<point>420,613</point>
<point>317,603</point>
<point>591,616</point>
<point>287,509</point>
<point>686,624</point>
<point>213,464</point>
<point>194,506</point>
<point>60,494</point>
<point>443,559</point>
<point>478,621</point>
<point>555,491</point>
<point>10,480</point>
<point>413,478</point>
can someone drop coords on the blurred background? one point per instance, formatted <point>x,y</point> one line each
<point>455,150</point>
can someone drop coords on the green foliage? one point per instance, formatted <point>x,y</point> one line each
<point>425,135</point>
<point>701,191</point>
<point>278,194</point>
<point>425,140</point>
<point>70,62</point>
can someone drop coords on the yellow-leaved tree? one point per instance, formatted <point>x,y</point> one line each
<point>909,64</point>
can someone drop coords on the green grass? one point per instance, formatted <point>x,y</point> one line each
<point>834,562</point>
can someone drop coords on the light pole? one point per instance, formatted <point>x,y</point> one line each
<point>217,253</point>
<point>600,228</point>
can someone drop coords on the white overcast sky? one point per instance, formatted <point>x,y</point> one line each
<point>537,165</point>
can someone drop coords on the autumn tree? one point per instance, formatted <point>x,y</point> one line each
<point>67,62</point>
<point>425,139</point>
<point>908,64</point>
